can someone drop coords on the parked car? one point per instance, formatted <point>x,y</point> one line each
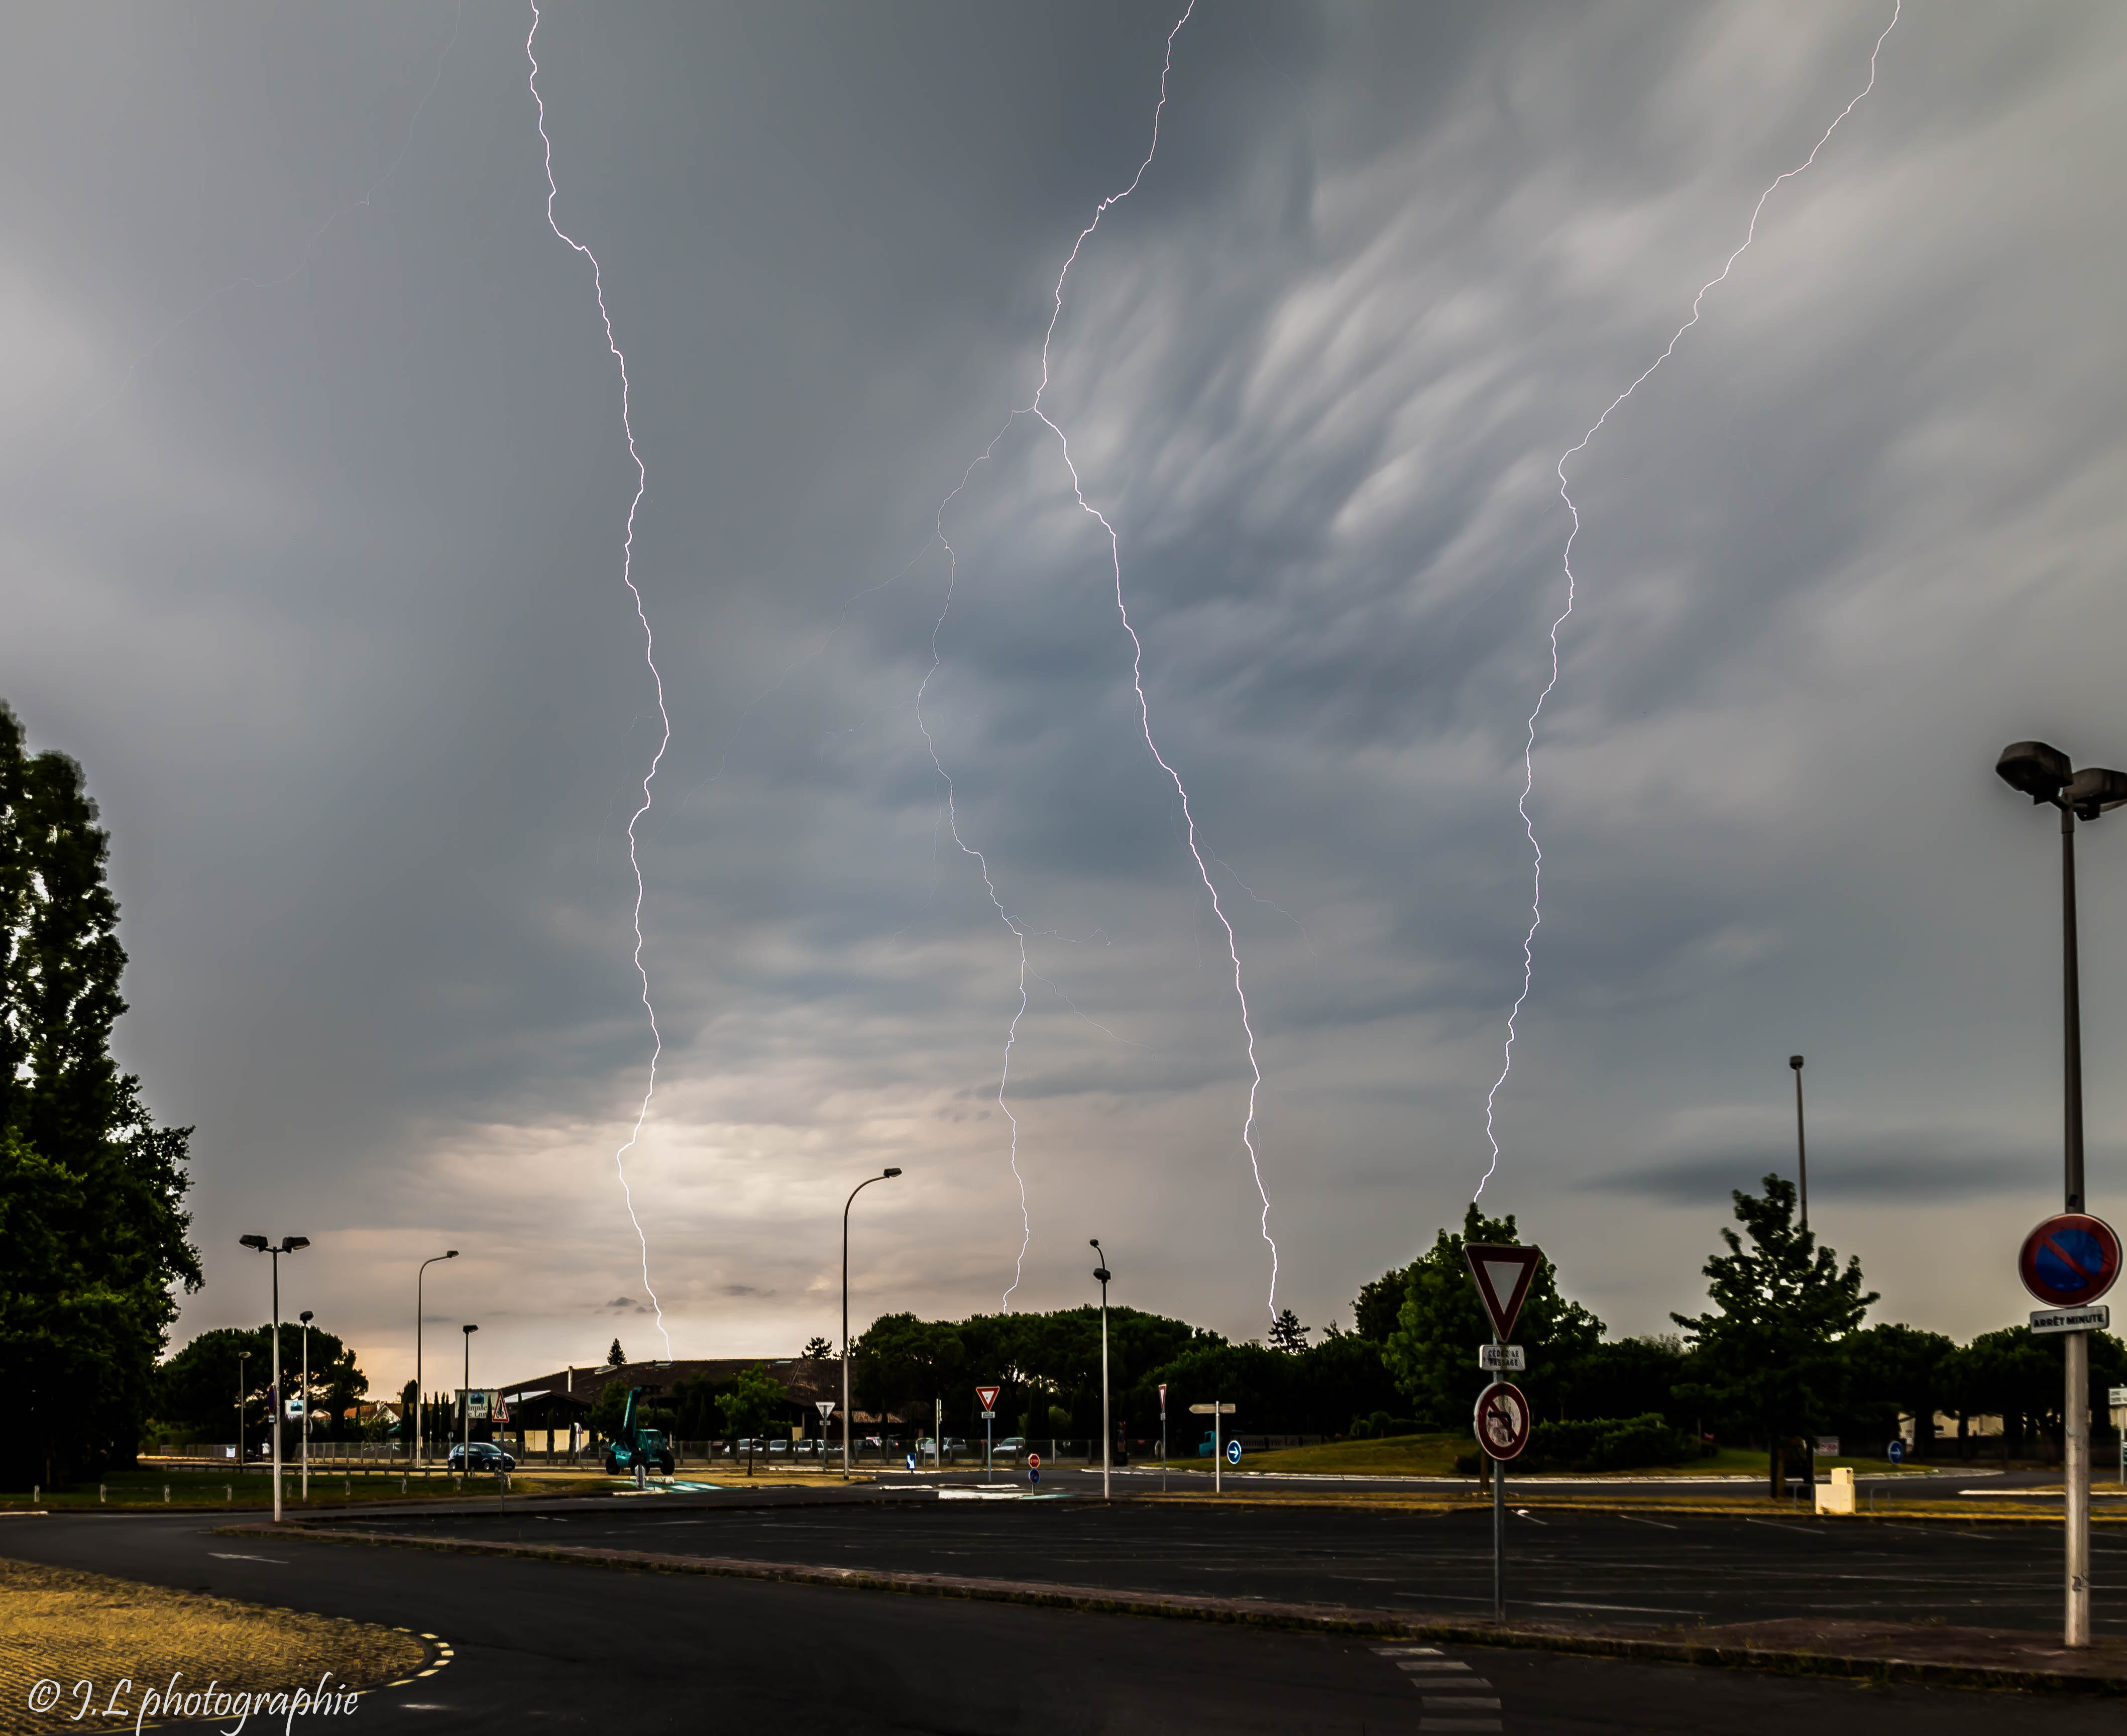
<point>486,1456</point>
<point>1013,1446</point>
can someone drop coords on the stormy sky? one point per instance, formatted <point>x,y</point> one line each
<point>313,482</point>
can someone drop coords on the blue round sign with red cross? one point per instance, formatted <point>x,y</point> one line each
<point>2070,1259</point>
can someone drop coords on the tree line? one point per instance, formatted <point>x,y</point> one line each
<point>1778,1359</point>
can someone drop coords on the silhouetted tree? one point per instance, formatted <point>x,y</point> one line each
<point>92,1228</point>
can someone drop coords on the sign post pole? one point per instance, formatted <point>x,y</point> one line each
<point>2069,1261</point>
<point>987,1396</point>
<point>1503,1274</point>
<point>1162,1443</point>
<point>1498,1537</point>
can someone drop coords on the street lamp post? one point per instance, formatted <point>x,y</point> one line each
<point>1107,1430</point>
<point>2045,775</point>
<point>884,1175</point>
<point>420,1394</point>
<point>306,1317</point>
<point>1802,1147</point>
<point>287,1244</point>
<point>465,1412</point>
<point>242,1358</point>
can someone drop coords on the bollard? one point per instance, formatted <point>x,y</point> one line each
<point>36,1490</point>
<point>227,1496</point>
<point>99,1495</point>
<point>347,1487</point>
<point>166,1495</point>
<point>402,1485</point>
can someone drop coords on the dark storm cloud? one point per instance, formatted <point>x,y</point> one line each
<point>324,590</point>
<point>1936,1165</point>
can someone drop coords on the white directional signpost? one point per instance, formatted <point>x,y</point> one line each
<point>1502,1273</point>
<point>1215,1410</point>
<point>989,1397</point>
<point>2117,1399</point>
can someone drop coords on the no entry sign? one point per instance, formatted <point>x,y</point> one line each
<point>2070,1260</point>
<point>1502,1419</point>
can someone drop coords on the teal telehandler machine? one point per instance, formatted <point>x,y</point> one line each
<point>635,1448</point>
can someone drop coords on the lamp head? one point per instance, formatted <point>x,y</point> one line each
<point>889,1175</point>
<point>2095,790</point>
<point>258,1244</point>
<point>306,1317</point>
<point>450,1254</point>
<point>468,1329</point>
<point>1795,1062</point>
<point>289,1244</point>
<point>2034,768</point>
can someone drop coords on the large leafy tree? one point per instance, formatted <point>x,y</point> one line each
<point>92,1228</point>
<point>1768,1354</point>
<point>197,1388</point>
<point>1433,1349</point>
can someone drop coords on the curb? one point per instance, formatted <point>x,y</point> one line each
<point>1250,1612</point>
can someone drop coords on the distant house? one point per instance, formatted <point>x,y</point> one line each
<point>542,1410</point>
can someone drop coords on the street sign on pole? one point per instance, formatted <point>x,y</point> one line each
<point>1511,1358</point>
<point>1503,1273</point>
<point>1502,1419</point>
<point>1218,1412</point>
<point>2070,1260</point>
<point>1034,1461</point>
<point>1232,1452</point>
<point>2098,1319</point>
<point>988,1395</point>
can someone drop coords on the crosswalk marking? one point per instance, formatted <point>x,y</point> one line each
<point>1451,1698</point>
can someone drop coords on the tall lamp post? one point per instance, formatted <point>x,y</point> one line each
<point>287,1244</point>
<point>884,1175</point>
<point>306,1317</point>
<point>464,1411</point>
<point>420,1394</point>
<point>1107,1431</point>
<point>2045,775</point>
<point>1802,1146</point>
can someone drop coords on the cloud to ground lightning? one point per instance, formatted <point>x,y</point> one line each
<point>1035,408</point>
<point>650,658</point>
<point>1564,494</point>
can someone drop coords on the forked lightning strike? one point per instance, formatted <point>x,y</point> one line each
<point>649,656</point>
<point>1145,714</point>
<point>1528,750</point>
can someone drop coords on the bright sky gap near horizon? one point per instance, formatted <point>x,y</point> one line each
<point>314,485</point>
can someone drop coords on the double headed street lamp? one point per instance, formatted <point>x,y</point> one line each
<point>287,1244</point>
<point>2044,774</point>
<point>1107,1431</point>
<point>420,1395</point>
<point>884,1175</point>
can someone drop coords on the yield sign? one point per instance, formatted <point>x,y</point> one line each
<point>1503,1273</point>
<point>988,1395</point>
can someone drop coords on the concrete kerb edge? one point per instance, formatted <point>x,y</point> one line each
<point>1305,1618</point>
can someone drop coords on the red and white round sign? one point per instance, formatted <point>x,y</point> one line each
<point>1502,1419</point>
<point>1034,1461</point>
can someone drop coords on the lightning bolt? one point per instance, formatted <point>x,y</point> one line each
<point>1564,494</point>
<point>649,656</point>
<point>1034,410</point>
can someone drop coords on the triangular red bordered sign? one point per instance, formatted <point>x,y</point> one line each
<point>1503,1273</point>
<point>988,1395</point>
